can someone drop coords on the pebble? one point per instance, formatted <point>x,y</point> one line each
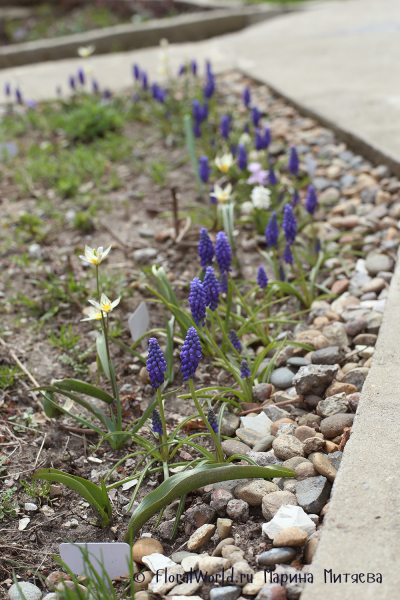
<point>275,425</point>
<point>259,580</point>
<point>220,498</point>
<point>377,262</point>
<point>293,462</point>
<point>254,491</point>
<point>228,485</point>
<point>263,459</point>
<point>333,405</point>
<point>200,537</point>
<point>145,547</point>
<point>333,426</point>
<point>230,423</point>
<point>249,436</point>
<point>29,591</point>
<point>183,590</point>
<point>304,470</point>
<point>231,447</point>
<point>238,510</point>
<point>264,444</point>
<point>312,493</point>
<point>240,574</point>
<point>178,557</point>
<point>56,577</point>
<point>309,418</point>
<point>324,467</point>
<point>356,377</point>
<point>335,458</point>
<point>229,592</point>
<point>337,387</point>
<point>224,527</point>
<point>226,542</point>
<point>365,339</point>
<point>336,334</point>
<point>272,502</point>
<point>282,378</point>
<point>314,338</point>
<point>212,564</point>
<point>340,286</point>
<point>326,356</point>
<point>157,561</point>
<point>276,556</point>
<point>144,255</point>
<point>290,536</point>
<point>233,553</point>
<point>303,432</point>
<point>275,413</point>
<point>53,596</point>
<point>272,591</point>
<point>259,423</point>
<point>314,444</point>
<point>314,379</point>
<point>261,392</point>
<point>29,506</point>
<point>158,585</point>
<point>286,429</point>
<point>310,549</point>
<point>287,446</point>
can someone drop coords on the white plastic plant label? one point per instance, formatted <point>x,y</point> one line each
<point>139,323</point>
<point>114,558</point>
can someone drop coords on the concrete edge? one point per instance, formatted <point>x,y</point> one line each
<point>183,28</point>
<point>353,141</point>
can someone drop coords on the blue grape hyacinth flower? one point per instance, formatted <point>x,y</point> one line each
<point>234,340</point>
<point>212,419</point>
<point>205,249</point>
<point>272,231</point>
<point>156,365</point>
<point>223,283</point>
<point>223,252</point>
<point>225,126</point>
<point>211,289</point>
<point>244,369</point>
<point>136,72</point>
<point>197,301</point>
<point>294,162</point>
<point>242,157</point>
<point>156,422</point>
<point>190,354</point>
<point>311,200</point>
<point>204,169</point>
<point>246,96</point>
<point>262,278</point>
<point>272,178</point>
<point>255,116</point>
<point>289,223</point>
<point>287,255</point>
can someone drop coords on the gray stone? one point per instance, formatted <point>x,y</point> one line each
<point>374,321</point>
<point>312,493</point>
<point>314,444</point>
<point>179,556</point>
<point>263,459</point>
<point>356,377</point>
<point>336,334</point>
<point>365,339</point>
<point>287,446</point>
<point>29,592</point>
<point>293,462</point>
<point>282,378</point>
<point>229,592</point>
<point>284,355</point>
<point>228,485</point>
<point>333,426</point>
<point>249,436</point>
<point>326,356</point>
<point>254,491</point>
<point>286,429</point>
<point>335,458</point>
<point>261,392</point>
<point>220,498</point>
<point>293,586</point>
<point>230,423</point>
<point>377,262</point>
<point>51,596</point>
<point>144,255</point>
<point>309,418</point>
<point>238,510</point>
<point>272,591</point>
<point>314,379</point>
<point>276,556</point>
<point>333,405</point>
<point>231,447</point>
<point>356,325</point>
<point>264,444</point>
<point>264,364</point>
<point>275,412</point>
<point>298,361</point>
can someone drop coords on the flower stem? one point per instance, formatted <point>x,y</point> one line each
<point>164,449</point>
<point>218,449</point>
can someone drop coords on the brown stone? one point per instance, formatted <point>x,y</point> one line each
<point>310,549</point>
<point>314,338</point>
<point>334,425</point>
<point>330,447</point>
<point>304,470</point>
<point>314,444</point>
<point>57,576</point>
<point>324,510</point>
<point>275,425</point>
<point>337,387</point>
<point>290,536</point>
<point>324,467</point>
<point>144,547</point>
<point>303,432</point>
<point>340,286</point>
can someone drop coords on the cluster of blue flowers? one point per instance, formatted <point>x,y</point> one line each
<point>204,169</point>
<point>244,369</point>
<point>156,422</point>
<point>223,252</point>
<point>212,419</point>
<point>197,301</point>
<point>211,289</point>
<point>190,354</point>
<point>234,340</point>
<point>205,248</point>
<point>262,278</point>
<point>200,114</point>
<point>156,365</point>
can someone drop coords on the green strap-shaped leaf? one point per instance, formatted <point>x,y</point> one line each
<point>74,385</point>
<point>88,490</point>
<point>183,483</point>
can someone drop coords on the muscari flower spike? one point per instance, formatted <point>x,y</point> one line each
<point>262,278</point>
<point>225,126</point>
<point>197,301</point>
<point>234,340</point>
<point>272,231</point>
<point>258,140</point>
<point>233,149</point>
<point>72,82</point>
<point>81,76</point>
<point>182,70</point>
<point>7,89</point>
<point>255,116</point>
<point>223,283</point>
<point>190,354</point>
<point>289,223</point>
<point>244,369</point>
<point>156,365</point>
<point>209,88</point>
<point>156,422</point>
<point>211,289</point>
<point>242,157</point>
<point>223,252</point>
<point>267,137</point>
<point>212,419</point>
<point>205,248</point>
<point>293,163</point>
<point>287,255</point>
<point>295,198</point>
<point>311,200</point>
<point>193,66</point>
<point>136,72</point>
<point>246,96</point>
<point>145,82</point>
<point>272,179</point>
<point>95,87</point>
<point>204,169</point>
